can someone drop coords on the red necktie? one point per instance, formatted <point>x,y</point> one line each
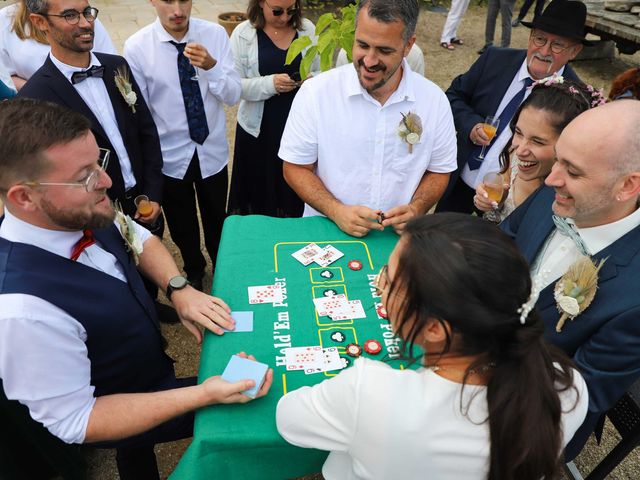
<point>86,241</point>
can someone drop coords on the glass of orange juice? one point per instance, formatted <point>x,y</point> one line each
<point>493,184</point>
<point>490,127</point>
<point>143,205</point>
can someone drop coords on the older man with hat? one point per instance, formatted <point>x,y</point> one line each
<point>497,83</point>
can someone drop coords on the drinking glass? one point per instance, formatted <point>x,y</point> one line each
<point>490,127</point>
<point>494,186</point>
<point>143,205</point>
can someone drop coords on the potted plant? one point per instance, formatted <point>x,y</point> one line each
<point>230,20</point>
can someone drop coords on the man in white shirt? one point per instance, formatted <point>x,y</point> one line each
<point>185,70</point>
<point>81,346</point>
<point>595,186</point>
<point>371,145</point>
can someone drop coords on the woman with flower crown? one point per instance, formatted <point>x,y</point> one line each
<point>527,158</point>
<point>490,400</point>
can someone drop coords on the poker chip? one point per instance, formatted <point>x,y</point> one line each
<point>354,350</point>
<point>330,292</point>
<point>355,265</point>
<point>338,336</point>
<point>372,347</point>
<point>326,274</point>
<point>382,312</point>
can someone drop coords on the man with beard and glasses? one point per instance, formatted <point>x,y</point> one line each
<point>371,145</point>
<point>76,78</point>
<point>81,345</point>
<point>497,83</point>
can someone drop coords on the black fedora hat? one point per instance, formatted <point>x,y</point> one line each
<point>562,17</point>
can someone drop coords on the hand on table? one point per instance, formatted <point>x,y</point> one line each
<point>151,218</point>
<point>478,136</point>
<point>482,201</point>
<point>283,83</point>
<point>221,391</point>
<point>199,56</point>
<point>397,217</point>
<point>356,220</point>
<point>197,308</point>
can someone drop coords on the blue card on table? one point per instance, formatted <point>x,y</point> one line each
<point>244,322</point>
<point>240,368</point>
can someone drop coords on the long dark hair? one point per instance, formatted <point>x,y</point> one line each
<point>256,17</point>
<point>464,270</point>
<point>564,101</point>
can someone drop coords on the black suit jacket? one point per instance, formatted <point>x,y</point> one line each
<point>476,94</point>
<point>138,130</point>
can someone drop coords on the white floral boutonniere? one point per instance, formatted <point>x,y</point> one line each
<point>123,82</point>
<point>576,289</point>
<point>410,129</point>
<point>128,232</point>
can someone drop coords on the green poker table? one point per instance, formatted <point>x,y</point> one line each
<point>241,441</point>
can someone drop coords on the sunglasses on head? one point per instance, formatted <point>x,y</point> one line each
<point>277,11</point>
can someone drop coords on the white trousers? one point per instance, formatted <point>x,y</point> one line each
<point>456,12</point>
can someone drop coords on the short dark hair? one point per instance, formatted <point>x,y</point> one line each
<point>389,11</point>
<point>256,17</point>
<point>37,6</point>
<point>28,127</point>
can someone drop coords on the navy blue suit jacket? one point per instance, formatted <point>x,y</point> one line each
<point>138,130</point>
<point>604,340</point>
<point>477,93</point>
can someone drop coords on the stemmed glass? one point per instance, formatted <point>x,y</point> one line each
<point>493,184</point>
<point>490,127</point>
<point>195,76</point>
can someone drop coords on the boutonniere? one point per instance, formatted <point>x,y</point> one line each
<point>576,289</point>
<point>128,232</point>
<point>410,129</point>
<point>123,83</point>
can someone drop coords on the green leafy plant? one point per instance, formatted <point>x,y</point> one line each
<point>332,32</point>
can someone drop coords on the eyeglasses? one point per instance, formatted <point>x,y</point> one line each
<point>73,17</point>
<point>89,183</point>
<point>280,11</point>
<point>382,280</point>
<point>540,41</point>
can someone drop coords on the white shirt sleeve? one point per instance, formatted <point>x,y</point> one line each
<point>103,43</point>
<point>299,143</point>
<point>224,81</point>
<point>323,416</point>
<point>130,53</point>
<point>47,367</point>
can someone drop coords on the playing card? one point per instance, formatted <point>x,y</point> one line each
<point>353,309</point>
<point>240,368</point>
<point>324,305</point>
<point>265,294</point>
<point>306,254</point>
<point>244,322</point>
<point>302,358</point>
<point>331,361</point>
<point>327,256</point>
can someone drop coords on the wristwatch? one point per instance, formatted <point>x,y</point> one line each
<point>176,283</point>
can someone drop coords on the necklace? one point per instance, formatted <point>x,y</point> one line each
<point>480,370</point>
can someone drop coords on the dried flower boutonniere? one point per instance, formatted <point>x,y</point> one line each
<point>576,289</point>
<point>123,83</point>
<point>410,129</point>
<point>128,232</point>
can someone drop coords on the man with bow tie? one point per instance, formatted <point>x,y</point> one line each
<point>81,345</point>
<point>593,192</point>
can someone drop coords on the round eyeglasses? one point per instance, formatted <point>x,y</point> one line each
<point>382,281</point>
<point>90,182</point>
<point>540,41</point>
<point>73,16</point>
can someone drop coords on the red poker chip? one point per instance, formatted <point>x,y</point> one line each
<point>382,312</point>
<point>354,350</point>
<point>355,265</point>
<point>372,347</point>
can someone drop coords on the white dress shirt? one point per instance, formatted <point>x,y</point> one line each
<point>491,162</point>
<point>24,57</point>
<point>361,158</point>
<point>153,61</point>
<point>94,93</point>
<point>43,356</point>
<point>559,251</point>
<point>382,423</point>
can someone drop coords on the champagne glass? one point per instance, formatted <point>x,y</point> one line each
<point>494,186</point>
<point>195,76</point>
<point>490,127</point>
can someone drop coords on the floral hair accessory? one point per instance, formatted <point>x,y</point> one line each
<point>410,129</point>
<point>526,307</point>
<point>597,97</point>
<point>123,83</point>
<point>548,81</point>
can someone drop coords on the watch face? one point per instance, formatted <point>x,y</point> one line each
<point>178,282</point>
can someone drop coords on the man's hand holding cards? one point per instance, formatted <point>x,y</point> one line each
<point>243,379</point>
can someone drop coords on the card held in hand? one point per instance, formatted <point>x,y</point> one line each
<point>240,368</point>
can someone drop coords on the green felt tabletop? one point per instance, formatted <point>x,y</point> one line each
<point>241,441</point>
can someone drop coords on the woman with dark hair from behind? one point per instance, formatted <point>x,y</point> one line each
<point>491,399</point>
<point>626,85</point>
<point>529,155</point>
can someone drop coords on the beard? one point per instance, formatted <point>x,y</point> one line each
<point>380,67</point>
<point>77,219</point>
